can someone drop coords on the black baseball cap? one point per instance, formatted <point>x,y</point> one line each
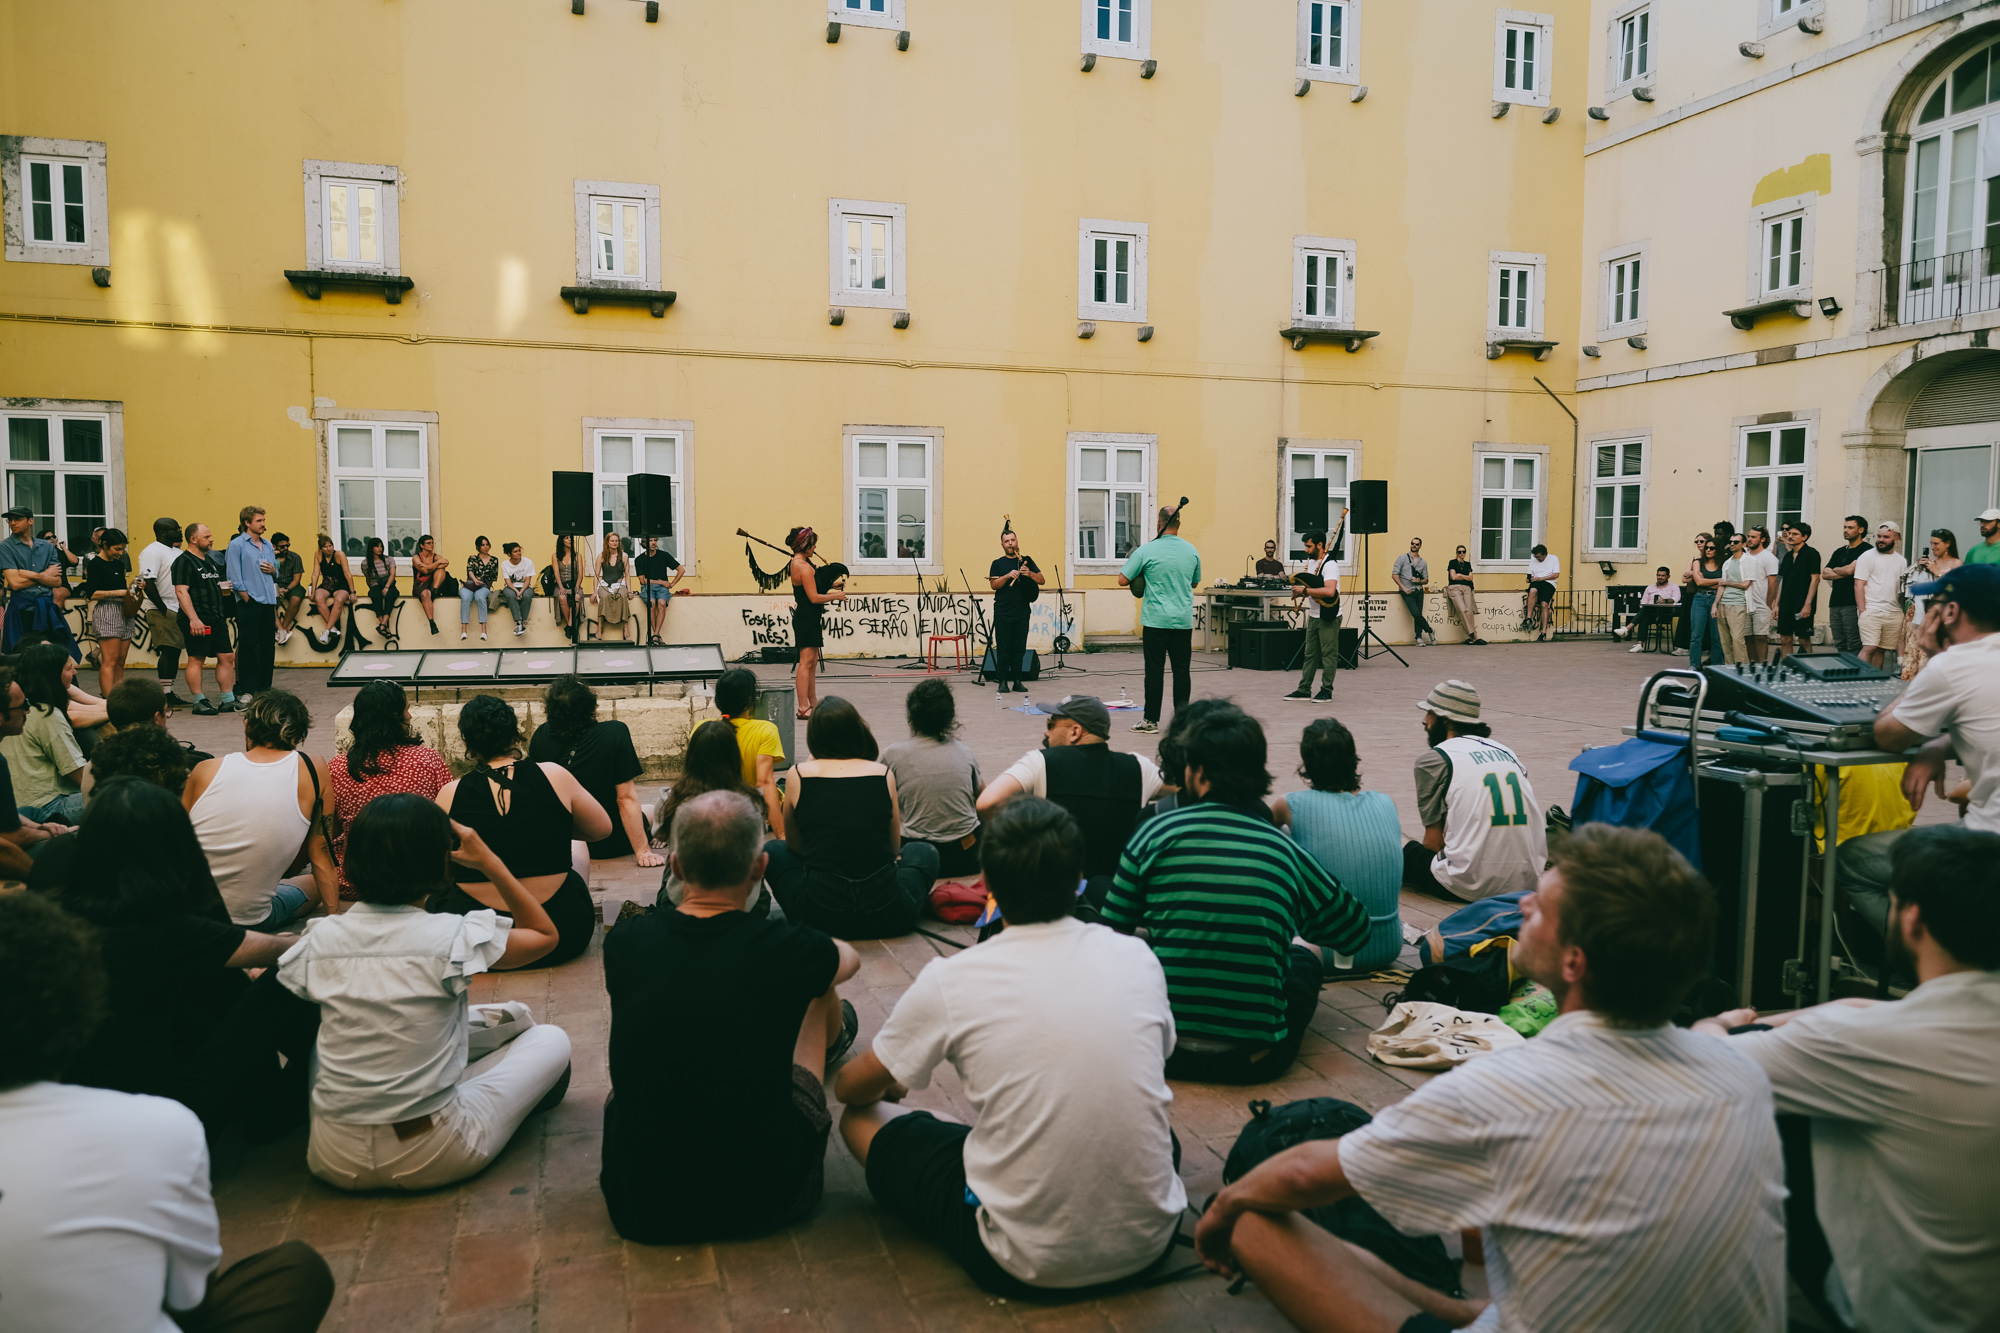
<point>18,511</point>
<point>1974,587</point>
<point>1086,710</point>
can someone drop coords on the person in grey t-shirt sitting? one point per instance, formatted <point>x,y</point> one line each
<point>937,780</point>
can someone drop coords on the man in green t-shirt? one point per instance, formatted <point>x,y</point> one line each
<point>1986,552</point>
<point>1170,569</point>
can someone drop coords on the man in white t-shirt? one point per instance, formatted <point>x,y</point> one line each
<point>517,585</point>
<point>1760,566</point>
<point>1540,601</point>
<point>106,1221</point>
<point>1955,699</point>
<point>1059,1033</point>
<point>1878,611</point>
<point>162,605</point>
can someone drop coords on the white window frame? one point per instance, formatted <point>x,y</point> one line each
<point>110,417</point>
<point>1805,207</point>
<point>932,438</point>
<point>1740,473</point>
<point>1774,16</point>
<point>838,211</point>
<point>317,172</point>
<point>1616,81</point>
<point>1348,68</point>
<point>16,152</point>
<point>1513,260</point>
<point>329,420</point>
<point>1510,452</point>
<point>1147,490</point>
<point>1088,231</point>
<point>588,192</point>
<point>682,432</point>
<point>1543,26</point>
<point>862,14</point>
<point>1336,500</point>
<point>1337,250</point>
<point>1141,45</point>
<point>1609,263</point>
<point>1616,483</point>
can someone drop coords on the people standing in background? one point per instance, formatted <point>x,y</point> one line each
<point>253,570</point>
<point>1270,567</point>
<point>1798,589</point>
<point>1878,584</point>
<point>1940,557</point>
<point>108,583</point>
<point>1354,835</point>
<point>429,573</point>
<point>482,571</point>
<point>1319,586</point>
<point>1461,598</point>
<point>1016,581</point>
<point>1987,552</point>
<point>33,570</point>
<point>1170,569</point>
<point>658,573</point>
<point>1842,613</point>
<point>1543,570</point>
<point>564,573</point>
<point>291,580</point>
<point>1760,567</point>
<point>162,606</point>
<point>1732,610</point>
<point>614,573</point>
<point>1412,574</point>
<point>204,621</point>
<point>1704,635</point>
<point>937,780</point>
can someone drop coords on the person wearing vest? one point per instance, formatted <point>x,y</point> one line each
<point>1322,646</point>
<point>1483,829</point>
<point>1076,768</point>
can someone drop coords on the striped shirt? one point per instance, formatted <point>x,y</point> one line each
<point>1627,1179</point>
<point>1223,893</point>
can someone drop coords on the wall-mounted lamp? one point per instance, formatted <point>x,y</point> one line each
<point>1599,113</point>
<point>1552,115</point>
<point>1145,333</point>
<point>1828,306</point>
<point>1302,87</point>
<point>1149,69</point>
<point>1592,350</point>
<point>1637,342</point>
<point>1642,94</point>
<point>1089,62</point>
<point>652,11</point>
<point>1606,568</point>
<point>1750,50</point>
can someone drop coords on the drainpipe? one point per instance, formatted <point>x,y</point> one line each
<point>1575,476</point>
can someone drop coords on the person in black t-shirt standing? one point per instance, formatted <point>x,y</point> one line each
<point>1798,589</point>
<point>1838,575</point>
<point>1460,597</point>
<point>1016,581</point>
<point>204,620</point>
<point>658,572</point>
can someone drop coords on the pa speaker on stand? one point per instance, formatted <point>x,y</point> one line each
<point>570,510</point>
<point>649,505</point>
<point>1368,513</point>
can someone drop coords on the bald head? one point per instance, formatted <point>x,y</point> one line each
<point>717,837</point>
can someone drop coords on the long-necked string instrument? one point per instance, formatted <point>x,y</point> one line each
<point>1138,585</point>
<point>828,573</point>
<point>1306,578</point>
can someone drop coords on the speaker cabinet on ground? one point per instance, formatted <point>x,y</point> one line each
<point>1350,649</point>
<point>1031,665</point>
<point>649,505</point>
<point>1309,509</point>
<point>1770,924</point>
<point>570,516</point>
<point>1368,503</point>
<point>1264,645</point>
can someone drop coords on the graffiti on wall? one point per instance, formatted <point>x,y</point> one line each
<point>900,624</point>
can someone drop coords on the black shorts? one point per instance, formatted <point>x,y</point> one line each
<point>1544,590</point>
<point>571,909</point>
<point>201,647</point>
<point>806,632</point>
<point>1794,626</point>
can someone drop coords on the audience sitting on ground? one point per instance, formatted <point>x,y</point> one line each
<point>1483,829</point>
<point>535,817</point>
<point>1353,834</point>
<point>137,702</point>
<point>51,676</point>
<point>44,756</point>
<point>937,780</point>
<point>395,1102</point>
<point>20,838</point>
<point>1103,790</point>
<point>843,866</point>
<point>1626,1172</point>
<point>763,750</point>
<point>1173,762</point>
<point>1226,898</point>
<point>109,1223</point>
<point>383,756</point>
<point>144,752</point>
<point>722,1029</point>
<point>1901,1099</point>
<point>1057,1031</point>
<point>258,816</point>
<point>712,764</point>
<point>601,757</point>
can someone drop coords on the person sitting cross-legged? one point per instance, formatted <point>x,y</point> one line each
<point>1226,898</point>
<point>1057,1031</point>
<point>711,1007</point>
<point>1483,828</point>
<point>1626,1172</point>
<point>396,1103</point>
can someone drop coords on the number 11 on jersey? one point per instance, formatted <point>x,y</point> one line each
<point>1501,819</point>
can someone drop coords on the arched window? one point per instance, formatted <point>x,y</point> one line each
<point>1953,208</point>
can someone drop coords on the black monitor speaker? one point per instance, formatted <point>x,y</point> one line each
<point>571,509</point>
<point>1309,505</point>
<point>1368,507</point>
<point>649,505</point>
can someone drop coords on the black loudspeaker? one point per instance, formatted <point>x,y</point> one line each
<point>1264,645</point>
<point>1368,503</point>
<point>1031,665</point>
<point>570,515</point>
<point>649,505</point>
<point>1350,649</point>
<point>1780,851</point>
<point>1309,505</point>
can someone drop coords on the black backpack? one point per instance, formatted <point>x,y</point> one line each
<point>1478,983</point>
<point>1273,1129</point>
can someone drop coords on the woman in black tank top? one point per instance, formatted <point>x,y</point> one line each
<point>531,815</point>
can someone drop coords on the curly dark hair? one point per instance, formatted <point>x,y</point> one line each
<point>1327,758</point>
<point>144,751</point>
<point>572,710</point>
<point>379,728</point>
<point>1228,747</point>
<point>714,763</point>
<point>932,712</point>
<point>490,728</point>
<point>278,719</point>
<point>52,988</point>
<point>1173,755</point>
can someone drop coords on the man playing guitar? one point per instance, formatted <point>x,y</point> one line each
<point>1319,585</point>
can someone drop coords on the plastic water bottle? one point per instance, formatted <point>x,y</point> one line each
<point>1123,698</point>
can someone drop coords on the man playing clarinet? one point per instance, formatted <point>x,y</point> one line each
<point>1016,582</point>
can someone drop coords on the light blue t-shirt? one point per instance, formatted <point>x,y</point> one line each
<point>1172,567</point>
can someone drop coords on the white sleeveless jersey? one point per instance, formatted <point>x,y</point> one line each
<point>1494,839</point>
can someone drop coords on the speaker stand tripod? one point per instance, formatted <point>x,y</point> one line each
<point>1368,616</point>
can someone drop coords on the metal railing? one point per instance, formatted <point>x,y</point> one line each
<point>1903,9</point>
<point>1945,287</point>
<point>1583,613</point>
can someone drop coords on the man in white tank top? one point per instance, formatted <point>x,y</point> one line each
<point>254,811</point>
<point>1483,830</point>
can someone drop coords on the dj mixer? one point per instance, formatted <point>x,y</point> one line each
<point>1838,690</point>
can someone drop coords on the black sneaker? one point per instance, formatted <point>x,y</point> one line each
<point>229,706</point>
<point>1300,694</point>
<point>850,1028</point>
<point>1324,695</point>
<point>1019,688</point>
<point>203,708</point>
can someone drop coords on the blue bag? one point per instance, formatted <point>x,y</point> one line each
<point>1471,926</point>
<point>1641,783</point>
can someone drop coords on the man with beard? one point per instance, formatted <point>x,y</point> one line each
<point>1016,581</point>
<point>1483,830</point>
<point>1877,574</point>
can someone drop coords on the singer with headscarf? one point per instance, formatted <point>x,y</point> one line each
<point>1016,581</point>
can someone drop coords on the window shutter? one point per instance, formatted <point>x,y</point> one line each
<point>1961,396</point>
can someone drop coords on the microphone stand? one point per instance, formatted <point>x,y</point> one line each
<point>979,621</point>
<point>1061,644</point>
<point>923,662</point>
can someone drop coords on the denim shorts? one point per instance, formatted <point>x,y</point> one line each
<point>654,592</point>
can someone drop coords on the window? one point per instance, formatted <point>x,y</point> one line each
<point>352,216</point>
<point>1322,282</point>
<point>1328,40</point>
<point>1617,496</point>
<point>1784,250</point>
<point>1781,246</point>
<point>1952,211</point>
<point>1510,506</point>
<point>55,200</point>
<point>1111,498</point>
<point>1622,283</point>
<point>1514,294</point>
<point>1521,49</point>
<point>866,13</point>
<point>866,253</point>
<point>64,461</point>
<point>617,448</point>
<point>1121,28</point>
<point>1771,470</point>
<point>1774,15</point>
<point>1337,466</point>
<point>617,234</point>
<point>1632,49</point>
<point>892,490</point>
<point>1111,279</point>
<point>379,479</point>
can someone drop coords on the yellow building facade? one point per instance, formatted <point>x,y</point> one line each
<point>382,268</point>
<point>1808,187</point>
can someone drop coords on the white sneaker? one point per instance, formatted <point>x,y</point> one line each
<point>284,636</point>
<point>1636,648</point>
<point>461,636</point>
<point>482,636</point>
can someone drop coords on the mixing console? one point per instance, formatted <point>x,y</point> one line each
<point>1833,688</point>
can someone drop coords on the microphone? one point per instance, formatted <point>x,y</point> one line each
<point>1749,723</point>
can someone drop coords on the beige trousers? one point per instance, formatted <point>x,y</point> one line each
<point>1733,622</point>
<point>1458,599</point>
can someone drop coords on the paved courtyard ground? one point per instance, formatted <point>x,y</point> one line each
<point>528,1246</point>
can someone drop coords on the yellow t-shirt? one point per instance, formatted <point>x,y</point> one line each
<point>755,736</point>
<point>1871,801</point>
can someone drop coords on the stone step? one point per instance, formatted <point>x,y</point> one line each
<point>1114,643</point>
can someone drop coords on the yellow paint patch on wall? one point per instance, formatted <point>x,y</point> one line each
<point>1812,176</point>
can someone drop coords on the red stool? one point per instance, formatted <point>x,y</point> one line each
<point>961,651</point>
